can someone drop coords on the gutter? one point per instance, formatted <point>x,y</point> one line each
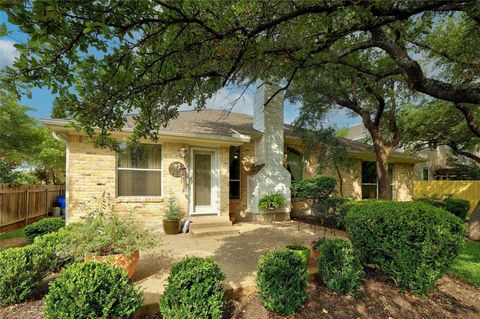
<point>62,138</point>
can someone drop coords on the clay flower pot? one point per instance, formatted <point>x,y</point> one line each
<point>302,251</point>
<point>171,227</point>
<point>127,263</point>
<point>313,256</point>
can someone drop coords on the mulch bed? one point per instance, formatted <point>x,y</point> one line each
<point>381,299</point>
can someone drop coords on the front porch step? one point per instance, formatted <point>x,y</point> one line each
<point>212,226</point>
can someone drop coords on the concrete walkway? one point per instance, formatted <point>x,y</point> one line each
<point>237,255</point>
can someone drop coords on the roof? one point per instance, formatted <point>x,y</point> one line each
<point>222,124</point>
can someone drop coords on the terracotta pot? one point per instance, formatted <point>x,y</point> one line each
<point>303,253</point>
<point>313,256</point>
<point>127,263</point>
<point>171,227</point>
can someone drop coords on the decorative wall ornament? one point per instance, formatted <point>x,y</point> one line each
<point>176,169</point>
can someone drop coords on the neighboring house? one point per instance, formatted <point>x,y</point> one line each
<point>438,163</point>
<point>213,162</point>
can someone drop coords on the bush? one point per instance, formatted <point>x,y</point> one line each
<point>55,245</point>
<point>92,290</point>
<point>282,281</point>
<point>22,271</point>
<point>458,207</point>
<point>339,266</point>
<point>42,227</point>
<point>194,290</point>
<point>412,242</point>
<point>316,188</point>
<point>342,212</point>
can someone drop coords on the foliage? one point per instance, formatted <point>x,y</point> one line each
<point>22,272</point>
<point>413,243</point>
<point>173,210</point>
<point>456,206</point>
<point>282,281</point>
<point>194,290</point>
<point>104,233</point>
<point>92,290</point>
<point>42,227</point>
<point>56,246</point>
<point>275,200</point>
<point>467,265</point>
<point>301,250</point>
<point>314,191</point>
<point>339,266</point>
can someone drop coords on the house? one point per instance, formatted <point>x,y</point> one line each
<point>438,161</point>
<point>214,163</point>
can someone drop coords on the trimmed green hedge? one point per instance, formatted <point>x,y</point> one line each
<point>194,290</point>
<point>92,290</point>
<point>457,206</point>
<point>412,242</point>
<point>339,266</point>
<point>282,281</point>
<point>42,227</point>
<point>21,273</point>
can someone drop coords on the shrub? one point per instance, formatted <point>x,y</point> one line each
<point>42,227</point>
<point>412,242</point>
<point>92,290</point>
<point>339,266</point>
<point>55,245</point>
<point>342,212</point>
<point>275,200</point>
<point>333,203</point>
<point>315,191</point>
<point>194,290</point>
<point>282,281</point>
<point>458,207</point>
<point>22,271</point>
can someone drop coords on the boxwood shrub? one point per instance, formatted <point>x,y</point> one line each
<point>342,212</point>
<point>339,266</point>
<point>194,290</point>
<point>412,242</point>
<point>21,273</point>
<point>456,206</point>
<point>282,281</point>
<point>42,227</point>
<point>55,245</point>
<point>92,290</point>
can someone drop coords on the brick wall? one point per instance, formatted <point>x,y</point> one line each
<point>404,176</point>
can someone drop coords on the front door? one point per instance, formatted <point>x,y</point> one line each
<point>204,188</point>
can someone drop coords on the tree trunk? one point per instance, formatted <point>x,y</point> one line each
<point>383,180</point>
<point>474,224</point>
<point>340,180</point>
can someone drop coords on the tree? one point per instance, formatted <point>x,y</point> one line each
<point>434,122</point>
<point>25,146</point>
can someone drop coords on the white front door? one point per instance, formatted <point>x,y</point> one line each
<point>204,187</point>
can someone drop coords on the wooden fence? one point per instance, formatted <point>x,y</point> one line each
<point>24,204</point>
<point>469,190</point>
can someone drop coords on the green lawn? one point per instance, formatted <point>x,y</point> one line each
<point>13,234</point>
<point>467,264</point>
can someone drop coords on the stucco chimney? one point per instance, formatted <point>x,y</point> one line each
<point>269,148</point>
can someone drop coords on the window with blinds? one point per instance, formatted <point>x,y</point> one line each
<point>139,170</point>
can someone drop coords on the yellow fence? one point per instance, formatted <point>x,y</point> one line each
<point>469,190</point>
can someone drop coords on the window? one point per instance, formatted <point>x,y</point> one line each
<point>234,172</point>
<point>369,180</point>
<point>295,164</point>
<point>139,170</point>
<point>426,174</point>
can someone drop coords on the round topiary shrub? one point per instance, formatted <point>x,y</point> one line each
<point>21,273</point>
<point>92,290</point>
<point>282,281</point>
<point>458,207</point>
<point>412,242</point>
<point>194,290</point>
<point>42,227</point>
<point>339,266</point>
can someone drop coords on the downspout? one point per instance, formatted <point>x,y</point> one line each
<point>63,138</point>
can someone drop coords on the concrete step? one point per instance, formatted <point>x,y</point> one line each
<point>215,231</point>
<point>212,224</point>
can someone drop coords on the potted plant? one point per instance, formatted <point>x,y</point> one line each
<point>303,251</point>
<point>315,253</point>
<point>171,222</point>
<point>105,237</point>
<point>272,201</point>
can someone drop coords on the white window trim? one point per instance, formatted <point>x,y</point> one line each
<point>161,196</point>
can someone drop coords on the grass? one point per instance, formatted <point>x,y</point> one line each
<point>13,234</point>
<point>467,265</point>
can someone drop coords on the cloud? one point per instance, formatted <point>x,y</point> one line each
<point>8,53</point>
<point>232,99</point>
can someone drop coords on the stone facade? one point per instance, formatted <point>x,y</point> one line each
<point>93,171</point>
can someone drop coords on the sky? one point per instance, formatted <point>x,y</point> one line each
<point>229,97</point>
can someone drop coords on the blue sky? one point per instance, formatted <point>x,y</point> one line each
<point>42,99</point>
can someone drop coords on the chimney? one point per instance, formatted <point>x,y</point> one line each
<point>269,148</point>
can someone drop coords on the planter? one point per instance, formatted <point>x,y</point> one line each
<point>127,263</point>
<point>313,256</point>
<point>56,211</point>
<point>232,217</point>
<point>302,251</point>
<point>171,227</point>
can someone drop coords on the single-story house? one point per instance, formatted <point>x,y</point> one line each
<point>213,162</point>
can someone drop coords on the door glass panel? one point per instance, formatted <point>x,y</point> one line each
<point>203,179</point>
